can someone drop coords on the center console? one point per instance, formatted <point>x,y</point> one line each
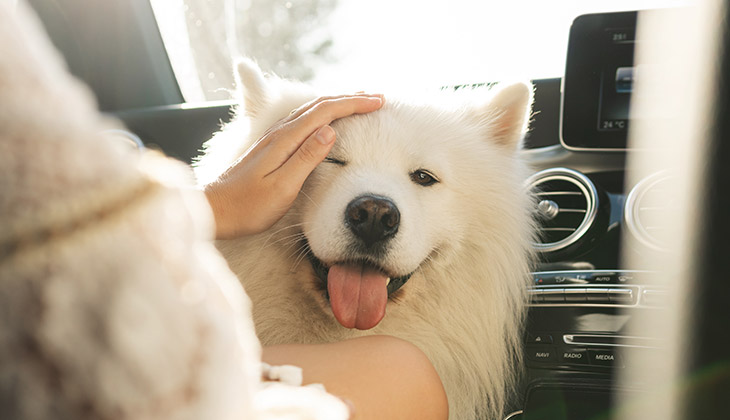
<point>579,333</point>
<point>577,339</point>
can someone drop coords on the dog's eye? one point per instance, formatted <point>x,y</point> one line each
<point>335,161</point>
<point>423,178</point>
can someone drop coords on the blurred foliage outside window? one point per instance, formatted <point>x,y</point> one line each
<point>203,37</point>
<point>372,44</point>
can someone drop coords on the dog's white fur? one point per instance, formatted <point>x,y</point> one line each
<point>465,238</point>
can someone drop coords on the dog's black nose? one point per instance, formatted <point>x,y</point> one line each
<point>372,218</point>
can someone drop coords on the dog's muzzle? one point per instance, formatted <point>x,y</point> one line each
<point>358,287</point>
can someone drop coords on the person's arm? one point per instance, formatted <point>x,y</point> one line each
<point>259,188</point>
<point>382,377</point>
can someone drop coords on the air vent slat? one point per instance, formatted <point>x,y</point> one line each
<point>566,220</point>
<point>559,193</point>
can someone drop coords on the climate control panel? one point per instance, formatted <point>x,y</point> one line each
<point>598,287</point>
<point>578,320</point>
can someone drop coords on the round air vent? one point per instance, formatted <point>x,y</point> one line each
<point>645,210</point>
<point>567,206</point>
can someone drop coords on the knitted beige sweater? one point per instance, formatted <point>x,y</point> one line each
<point>114,304</point>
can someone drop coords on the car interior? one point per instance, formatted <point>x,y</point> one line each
<point>627,313</point>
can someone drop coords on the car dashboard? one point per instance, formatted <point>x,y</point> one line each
<point>584,299</point>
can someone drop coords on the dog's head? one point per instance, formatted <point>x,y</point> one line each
<point>398,190</point>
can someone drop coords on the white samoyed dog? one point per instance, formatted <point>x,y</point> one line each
<point>421,206</point>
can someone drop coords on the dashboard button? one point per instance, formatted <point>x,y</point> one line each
<point>539,339</point>
<point>603,278</point>
<point>575,294</point>
<point>561,279</point>
<point>574,356</point>
<point>626,278</point>
<point>604,358</point>
<point>597,295</point>
<point>654,297</point>
<point>535,295</point>
<point>541,353</point>
<point>553,295</point>
<point>621,295</point>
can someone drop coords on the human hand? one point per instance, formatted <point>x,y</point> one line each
<point>260,187</point>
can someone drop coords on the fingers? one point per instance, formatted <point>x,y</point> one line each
<point>327,109</point>
<point>286,139</point>
<point>309,105</point>
<point>310,154</point>
<point>317,114</point>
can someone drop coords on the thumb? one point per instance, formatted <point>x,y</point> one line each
<point>310,154</point>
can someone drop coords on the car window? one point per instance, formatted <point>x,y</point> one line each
<point>378,43</point>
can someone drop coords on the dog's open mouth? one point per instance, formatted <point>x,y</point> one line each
<point>358,291</point>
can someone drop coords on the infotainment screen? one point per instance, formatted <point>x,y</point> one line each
<point>599,78</point>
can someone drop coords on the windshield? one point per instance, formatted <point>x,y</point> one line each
<point>374,44</point>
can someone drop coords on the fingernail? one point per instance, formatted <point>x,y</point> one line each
<point>325,135</point>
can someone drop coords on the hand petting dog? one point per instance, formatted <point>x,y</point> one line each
<point>259,188</point>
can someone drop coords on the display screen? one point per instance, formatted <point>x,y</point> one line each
<point>599,79</point>
<point>617,80</point>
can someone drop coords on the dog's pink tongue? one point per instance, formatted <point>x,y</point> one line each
<point>358,295</point>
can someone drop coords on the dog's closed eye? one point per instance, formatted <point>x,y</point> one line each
<point>335,161</point>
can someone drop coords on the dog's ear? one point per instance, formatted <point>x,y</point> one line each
<point>507,113</point>
<point>252,85</point>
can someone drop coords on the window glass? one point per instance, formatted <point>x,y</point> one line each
<point>344,44</point>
